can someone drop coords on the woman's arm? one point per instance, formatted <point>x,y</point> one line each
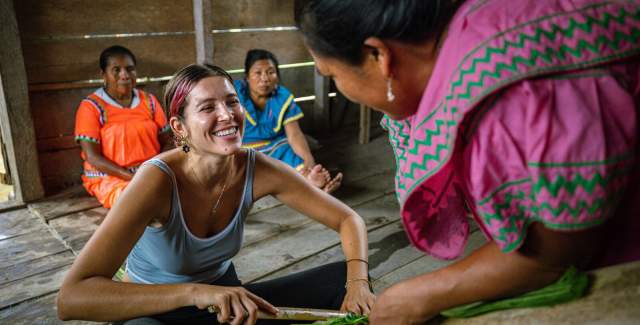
<point>88,291</point>
<point>275,178</point>
<point>299,143</point>
<point>486,274</point>
<point>93,152</point>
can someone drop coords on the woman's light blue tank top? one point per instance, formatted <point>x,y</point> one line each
<point>172,254</point>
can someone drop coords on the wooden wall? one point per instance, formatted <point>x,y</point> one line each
<point>57,57</point>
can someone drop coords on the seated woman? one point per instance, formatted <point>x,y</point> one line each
<point>511,111</point>
<point>273,116</point>
<point>180,222</point>
<point>118,127</point>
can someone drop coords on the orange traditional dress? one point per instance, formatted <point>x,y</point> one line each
<point>128,136</point>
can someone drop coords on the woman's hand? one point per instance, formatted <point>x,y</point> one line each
<point>235,305</point>
<point>359,298</point>
<point>397,305</point>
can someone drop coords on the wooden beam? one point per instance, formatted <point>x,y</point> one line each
<point>202,13</point>
<point>16,125</point>
<point>321,109</point>
<point>365,124</point>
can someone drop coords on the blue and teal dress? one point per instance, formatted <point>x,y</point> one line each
<point>264,129</point>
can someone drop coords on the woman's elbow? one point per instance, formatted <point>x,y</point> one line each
<point>66,303</point>
<point>64,312</point>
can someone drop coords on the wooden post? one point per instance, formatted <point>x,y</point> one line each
<point>365,124</point>
<point>202,13</point>
<point>16,125</point>
<point>321,109</point>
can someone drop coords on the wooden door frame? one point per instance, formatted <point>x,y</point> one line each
<point>17,128</point>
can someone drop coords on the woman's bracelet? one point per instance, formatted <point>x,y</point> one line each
<point>358,279</point>
<point>357,260</point>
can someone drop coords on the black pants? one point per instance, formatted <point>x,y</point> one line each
<point>321,287</point>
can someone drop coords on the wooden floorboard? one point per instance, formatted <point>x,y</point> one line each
<point>72,200</point>
<point>389,248</point>
<point>18,222</point>
<point>76,228</point>
<point>34,286</point>
<point>23,270</point>
<point>28,247</point>
<point>37,311</point>
<point>257,261</point>
<point>424,264</point>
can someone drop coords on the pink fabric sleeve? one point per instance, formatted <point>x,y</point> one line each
<point>556,150</point>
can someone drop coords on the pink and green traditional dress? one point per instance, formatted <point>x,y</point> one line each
<point>530,115</point>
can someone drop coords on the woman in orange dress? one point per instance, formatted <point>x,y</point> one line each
<point>118,127</point>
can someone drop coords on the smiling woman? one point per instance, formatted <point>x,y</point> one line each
<point>180,222</point>
<point>118,127</point>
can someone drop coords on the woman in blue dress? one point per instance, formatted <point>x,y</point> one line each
<point>272,120</point>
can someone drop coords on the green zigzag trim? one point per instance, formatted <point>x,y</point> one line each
<point>554,187</point>
<point>587,26</point>
<point>570,185</point>
<point>582,44</point>
<point>574,211</point>
<point>548,54</point>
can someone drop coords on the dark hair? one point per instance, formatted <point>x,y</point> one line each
<point>183,81</point>
<point>112,51</point>
<point>259,54</point>
<point>338,28</point>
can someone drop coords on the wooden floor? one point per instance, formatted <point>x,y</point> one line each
<point>38,243</point>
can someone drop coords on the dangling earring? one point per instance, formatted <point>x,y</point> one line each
<point>390,95</point>
<point>182,142</point>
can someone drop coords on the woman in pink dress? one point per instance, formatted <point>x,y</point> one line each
<point>522,115</point>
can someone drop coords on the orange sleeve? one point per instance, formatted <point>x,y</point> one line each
<point>88,122</point>
<point>159,117</point>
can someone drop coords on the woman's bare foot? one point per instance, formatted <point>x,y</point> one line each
<point>333,184</point>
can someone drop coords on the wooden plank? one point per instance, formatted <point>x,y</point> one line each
<point>424,264</point>
<point>365,124</point>
<point>72,200</point>
<point>38,311</point>
<point>57,183</point>
<point>54,112</point>
<point>231,48</point>
<point>389,248</point>
<point>255,231</point>
<point>65,162</point>
<point>30,268</point>
<point>17,126</point>
<point>76,228</point>
<point>19,222</point>
<point>75,17</point>
<point>202,17</point>
<point>259,260</point>
<point>28,247</point>
<point>264,203</point>
<point>249,13</point>
<point>34,286</point>
<point>77,59</point>
<point>321,108</point>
